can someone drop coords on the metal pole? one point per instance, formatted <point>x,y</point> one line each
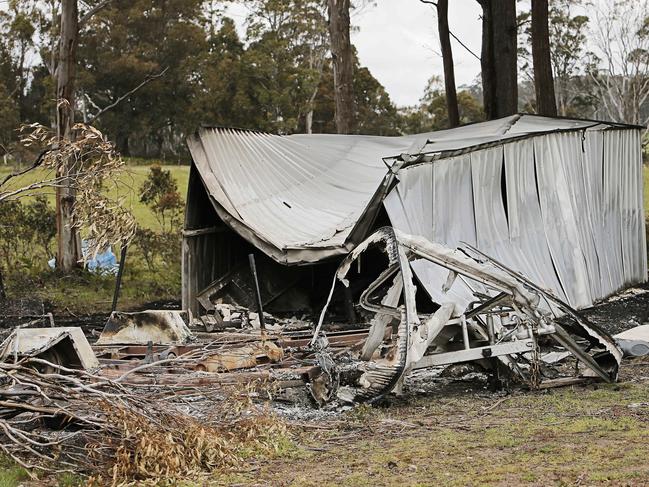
<point>465,333</point>
<point>490,330</point>
<point>118,280</point>
<point>260,308</point>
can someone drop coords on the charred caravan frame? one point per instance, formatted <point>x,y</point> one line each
<point>512,326</point>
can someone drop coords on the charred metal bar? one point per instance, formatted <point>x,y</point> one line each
<point>487,305</point>
<point>478,353</point>
<point>490,330</point>
<point>118,280</point>
<point>260,308</point>
<point>465,333</point>
<point>563,338</point>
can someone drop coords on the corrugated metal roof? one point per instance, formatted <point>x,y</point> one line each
<point>302,198</point>
<point>501,130</point>
<point>292,193</point>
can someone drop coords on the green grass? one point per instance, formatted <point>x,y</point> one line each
<point>13,475</point>
<point>455,439</point>
<point>130,182</point>
<point>83,292</point>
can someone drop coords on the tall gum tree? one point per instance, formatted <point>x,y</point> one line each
<point>546,103</point>
<point>341,52</point>
<point>499,58</point>
<point>68,239</point>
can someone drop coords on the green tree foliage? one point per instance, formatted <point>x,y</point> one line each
<point>277,77</point>
<point>26,233</point>
<point>432,113</point>
<point>124,44</point>
<point>160,193</point>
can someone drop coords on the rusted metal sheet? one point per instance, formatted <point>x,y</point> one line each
<point>245,357</point>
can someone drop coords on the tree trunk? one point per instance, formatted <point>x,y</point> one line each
<point>447,58</point>
<point>486,61</point>
<point>341,52</point>
<point>546,103</point>
<point>69,251</point>
<point>499,57</point>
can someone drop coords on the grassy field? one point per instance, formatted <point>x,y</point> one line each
<point>87,293</point>
<point>130,182</point>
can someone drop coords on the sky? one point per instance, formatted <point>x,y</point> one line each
<point>397,41</point>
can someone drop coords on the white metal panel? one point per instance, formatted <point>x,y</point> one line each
<point>612,207</point>
<point>573,147</point>
<point>594,187</point>
<point>410,206</point>
<point>574,208</point>
<point>492,233</point>
<point>436,201</point>
<point>634,255</point>
<point>454,218</point>
<point>526,229</point>
<point>560,218</point>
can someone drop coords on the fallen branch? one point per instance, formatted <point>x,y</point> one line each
<point>121,433</point>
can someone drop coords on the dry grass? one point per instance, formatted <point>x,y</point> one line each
<point>180,447</point>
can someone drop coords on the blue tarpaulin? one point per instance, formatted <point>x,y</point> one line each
<point>104,263</point>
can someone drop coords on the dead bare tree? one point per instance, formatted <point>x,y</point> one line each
<point>499,57</point>
<point>620,68</point>
<point>546,103</point>
<point>341,52</point>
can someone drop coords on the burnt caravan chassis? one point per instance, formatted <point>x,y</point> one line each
<point>512,326</point>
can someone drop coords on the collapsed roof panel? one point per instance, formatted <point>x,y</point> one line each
<point>502,129</point>
<point>299,198</point>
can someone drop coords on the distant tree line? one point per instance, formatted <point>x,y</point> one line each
<point>149,72</point>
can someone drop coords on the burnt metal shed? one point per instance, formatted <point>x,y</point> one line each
<point>559,200</point>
